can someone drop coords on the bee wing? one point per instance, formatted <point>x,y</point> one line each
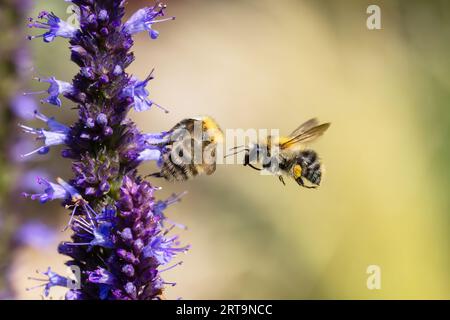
<point>305,137</point>
<point>209,159</point>
<point>311,123</point>
<point>209,169</point>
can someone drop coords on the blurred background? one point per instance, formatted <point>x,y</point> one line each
<point>264,64</point>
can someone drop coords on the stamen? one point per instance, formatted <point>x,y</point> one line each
<point>71,218</point>
<point>38,24</point>
<point>168,230</point>
<point>27,129</point>
<point>81,220</point>
<point>40,79</point>
<point>176,224</point>
<point>77,243</point>
<point>176,198</point>
<point>163,20</point>
<point>171,267</point>
<point>150,76</point>
<point>37,279</point>
<point>85,228</point>
<point>42,149</point>
<point>34,93</point>
<point>35,287</point>
<point>161,107</point>
<point>35,37</point>
<point>92,210</point>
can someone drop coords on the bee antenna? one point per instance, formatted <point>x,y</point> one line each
<point>236,152</point>
<point>234,148</point>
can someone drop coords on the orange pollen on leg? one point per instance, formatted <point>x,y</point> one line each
<point>297,171</point>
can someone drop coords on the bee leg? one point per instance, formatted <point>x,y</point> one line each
<point>246,159</point>
<point>301,183</point>
<point>253,167</point>
<point>156,175</point>
<point>281,179</point>
<point>247,162</point>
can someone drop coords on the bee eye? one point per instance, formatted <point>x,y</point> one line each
<point>297,171</point>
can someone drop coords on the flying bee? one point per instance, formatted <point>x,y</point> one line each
<point>287,156</point>
<point>189,149</point>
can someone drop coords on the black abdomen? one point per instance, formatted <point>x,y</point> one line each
<point>311,166</point>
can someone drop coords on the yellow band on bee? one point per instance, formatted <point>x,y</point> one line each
<point>211,126</point>
<point>210,123</point>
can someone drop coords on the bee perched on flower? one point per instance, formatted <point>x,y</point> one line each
<point>120,241</point>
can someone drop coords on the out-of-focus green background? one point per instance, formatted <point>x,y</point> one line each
<point>266,64</point>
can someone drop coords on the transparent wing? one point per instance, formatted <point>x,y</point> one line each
<point>209,159</point>
<point>305,137</point>
<point>311,123</point>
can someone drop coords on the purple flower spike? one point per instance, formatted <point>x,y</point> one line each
<point>55,26</point>
<point>119,240</point>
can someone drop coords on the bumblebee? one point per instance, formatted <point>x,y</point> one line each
<point>287,156</point>
<point>189,149</point>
